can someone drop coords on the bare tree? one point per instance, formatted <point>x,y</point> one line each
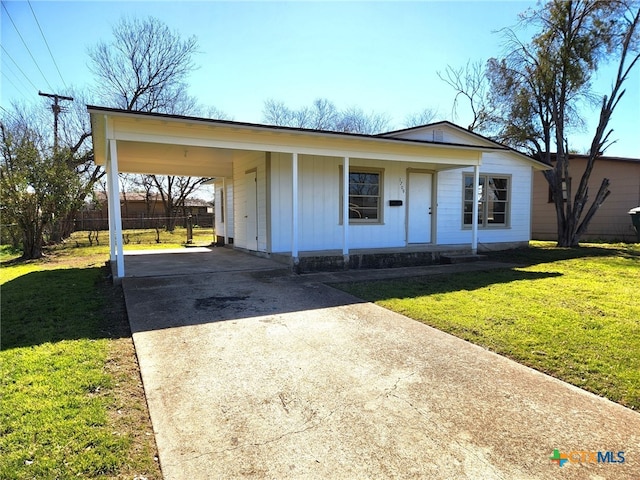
<point>355,120</point>
<point>275,112</point>
<point>144,67</point>
<point>174,191</point>
<point>540,87</point>
<point>324,115</point>
<point>211,111</point>
<point>470,84</point>
<point>423,117</point>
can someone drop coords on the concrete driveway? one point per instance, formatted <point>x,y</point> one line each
<point>261,374</point>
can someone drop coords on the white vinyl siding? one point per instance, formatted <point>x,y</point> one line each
<point>450,229</point>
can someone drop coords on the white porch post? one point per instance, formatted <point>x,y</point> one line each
<point>115,218</point>
<point>474,225</point>
<point>294,209</point>
<point>345,211</point>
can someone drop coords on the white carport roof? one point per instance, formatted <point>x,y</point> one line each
<point>178,145</point>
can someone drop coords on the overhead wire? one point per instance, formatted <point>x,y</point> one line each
<point>13,116</point>
<point>18,67</point>
<point>25,45</point>
<point>7,68</point>
<point>19,89</point>
<point>46,43</point>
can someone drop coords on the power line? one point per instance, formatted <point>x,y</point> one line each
<point>14,85</point>
<point>6,69</point>
<point>46,43</point>
<point>18,67</point>
<point>11,115</point>
<point>25,45</point>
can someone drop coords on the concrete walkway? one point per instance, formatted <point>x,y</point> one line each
<point>261,374</point>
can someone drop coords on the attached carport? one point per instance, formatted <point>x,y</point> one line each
<point>151,143</point>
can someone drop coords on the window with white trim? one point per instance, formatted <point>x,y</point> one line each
<point>493,200</point>
<point>365,195</point>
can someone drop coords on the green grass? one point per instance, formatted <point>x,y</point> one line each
<point>146,238</point>
<point>72,406</point>
<point>571,313</point>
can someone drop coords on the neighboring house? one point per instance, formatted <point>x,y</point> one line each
<point>138,210</point>
<point>280,191</point>
<point>611,222</point>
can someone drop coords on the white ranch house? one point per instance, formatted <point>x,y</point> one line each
<point>280,191</point>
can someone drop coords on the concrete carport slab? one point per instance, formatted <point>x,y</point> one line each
<point>264,374</point>
<point>193,260</point>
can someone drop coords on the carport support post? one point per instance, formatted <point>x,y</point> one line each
<point>474,225</point>
<point>110,209</point>
<point>294,210</point>
<point>345,212</point>
<point>115,218</point>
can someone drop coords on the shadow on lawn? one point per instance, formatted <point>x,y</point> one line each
<point>438,284</point>
<point>63,304</point>
<point>536,255</point>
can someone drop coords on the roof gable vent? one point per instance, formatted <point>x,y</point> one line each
<point>438,135</point>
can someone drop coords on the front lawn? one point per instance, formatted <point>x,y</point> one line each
<point>72,401</point>
<point>571,313</point>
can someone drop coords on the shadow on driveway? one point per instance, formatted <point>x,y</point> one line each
<point>183,300</point>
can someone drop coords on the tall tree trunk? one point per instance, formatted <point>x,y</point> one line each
<point>31,242</point>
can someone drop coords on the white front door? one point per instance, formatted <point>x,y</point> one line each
<point>419,208</point>
<point>251,217</point>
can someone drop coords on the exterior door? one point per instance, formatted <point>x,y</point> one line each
<point>251,217</point>
<point>419,208</point>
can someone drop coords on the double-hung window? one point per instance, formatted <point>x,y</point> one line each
<point>494,192</point>
<point>365,195</point>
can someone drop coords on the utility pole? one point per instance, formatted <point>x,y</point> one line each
<point>56,111</point>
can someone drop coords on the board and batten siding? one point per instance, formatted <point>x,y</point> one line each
<point>450,203</point>
<point>318,207</point>
<point>280,201</point>
<point>224,228</point>
<point>219,225</point>
<point>229,210</point>
<point>257,161</point>
<point>319,195</point>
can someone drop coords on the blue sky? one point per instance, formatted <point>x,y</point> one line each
<point>379,56</point>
